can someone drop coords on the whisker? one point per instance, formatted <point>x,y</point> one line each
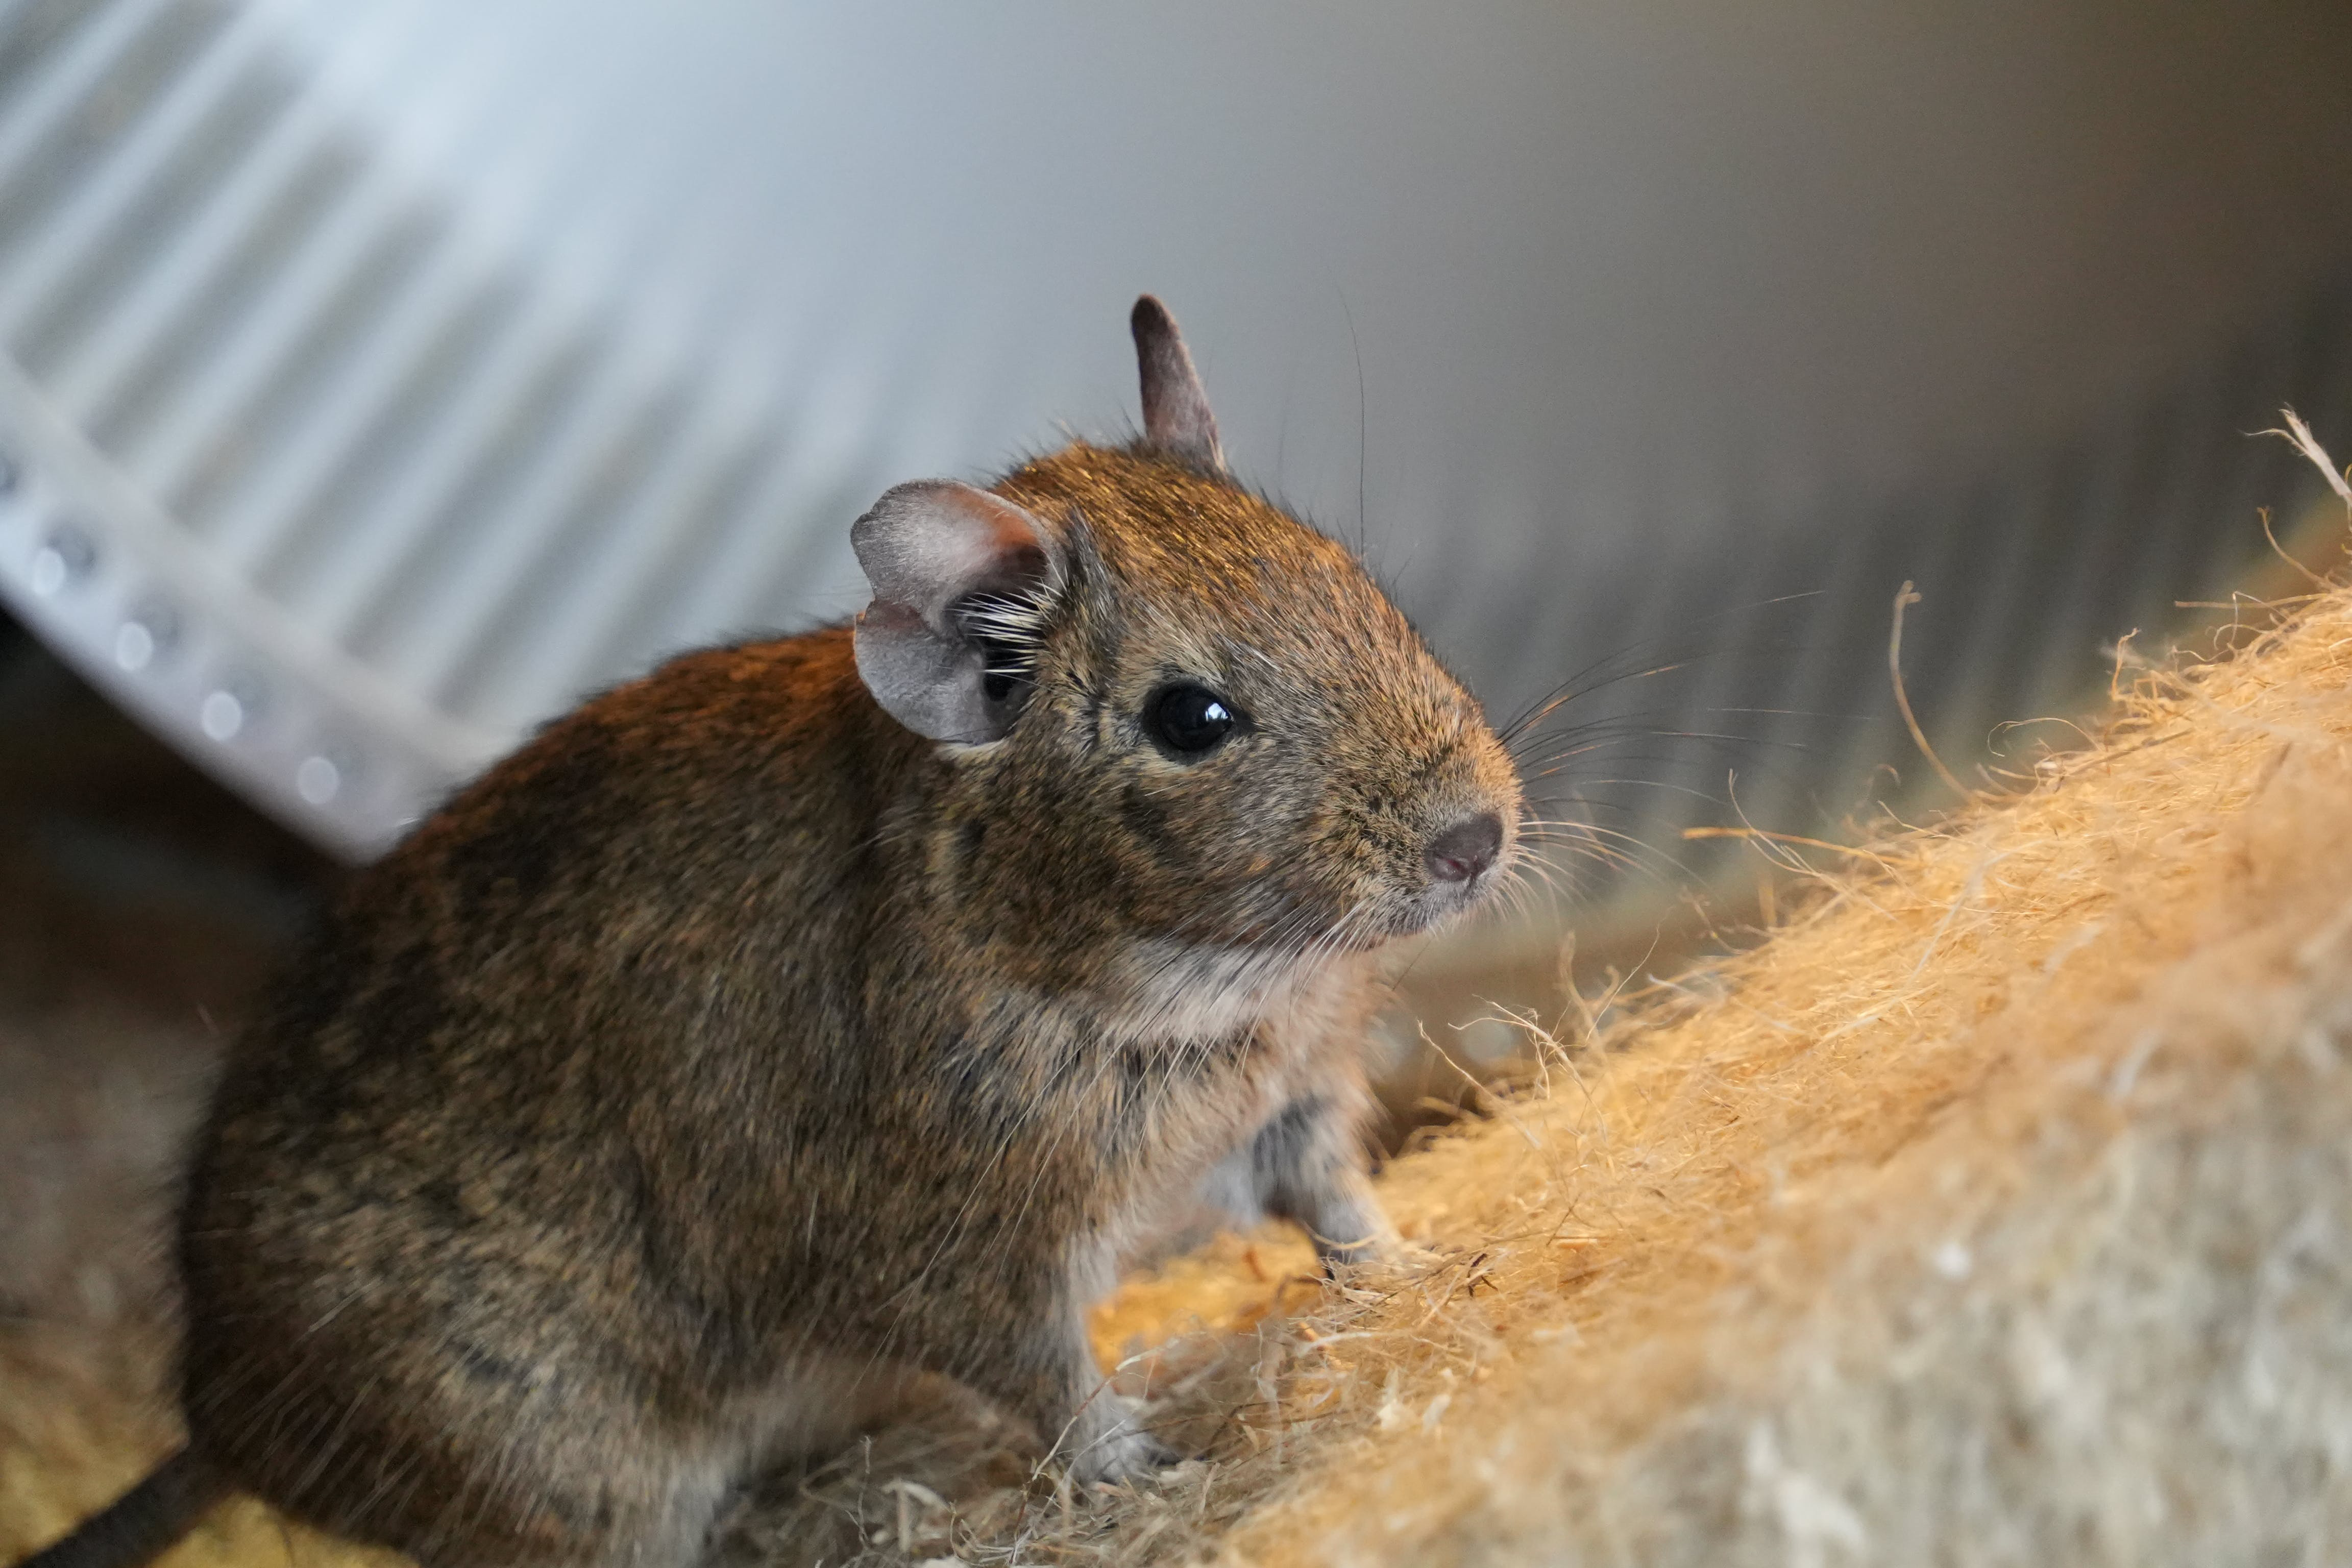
<point>1570,689</point>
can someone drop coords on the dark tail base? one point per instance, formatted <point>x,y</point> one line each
<point>140,1523</point>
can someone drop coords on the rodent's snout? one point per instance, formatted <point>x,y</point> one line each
<point>1463,852</point>
<point>1454,843</point>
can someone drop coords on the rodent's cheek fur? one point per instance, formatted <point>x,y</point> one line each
<point>1130,846</point>
<point>1302,839</point>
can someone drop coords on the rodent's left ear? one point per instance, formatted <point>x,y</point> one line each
<point>945,560</point>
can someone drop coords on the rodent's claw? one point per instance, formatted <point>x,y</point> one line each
<point>1385,1252</point>
<point>1338,1262</point>
<point>1127,1452</point>
<point>1370,1239</point>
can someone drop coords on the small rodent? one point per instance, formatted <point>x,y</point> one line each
<point>813,1012</point>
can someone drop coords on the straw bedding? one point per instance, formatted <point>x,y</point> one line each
<point>1997,1209</point>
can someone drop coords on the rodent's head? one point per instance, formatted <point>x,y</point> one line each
<point>1179,728</point>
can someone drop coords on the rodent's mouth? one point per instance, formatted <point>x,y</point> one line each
<point>1420,913</point>
<point>1325,921</point>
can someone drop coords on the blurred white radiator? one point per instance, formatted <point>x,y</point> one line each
<point>334,498</point>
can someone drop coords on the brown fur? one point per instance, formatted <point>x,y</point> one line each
<point>731,1051</point>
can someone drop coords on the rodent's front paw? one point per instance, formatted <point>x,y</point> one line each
<point>1359,1236</point>
<point>1123,1450</point>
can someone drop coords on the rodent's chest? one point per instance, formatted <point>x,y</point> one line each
<point>1072,1111</point>
<point>1083,1088</point>
<point>1152,1102</point>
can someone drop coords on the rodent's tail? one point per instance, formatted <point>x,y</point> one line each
<point>138,1525</point>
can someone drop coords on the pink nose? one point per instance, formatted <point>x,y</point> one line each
<point>1466,849</point>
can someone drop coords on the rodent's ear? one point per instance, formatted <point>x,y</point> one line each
<point>1176,417</point>
<point>953,569</point>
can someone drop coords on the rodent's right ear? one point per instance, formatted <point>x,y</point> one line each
<point>1176,417</point>
<point>953,569</point>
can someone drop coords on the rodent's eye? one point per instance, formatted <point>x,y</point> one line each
<point>1190,720</point>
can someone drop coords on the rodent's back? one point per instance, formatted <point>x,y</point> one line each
<point>536,1063</point>
<point>592,887</point>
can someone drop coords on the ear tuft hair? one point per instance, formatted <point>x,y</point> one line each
<point>959,578</point>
